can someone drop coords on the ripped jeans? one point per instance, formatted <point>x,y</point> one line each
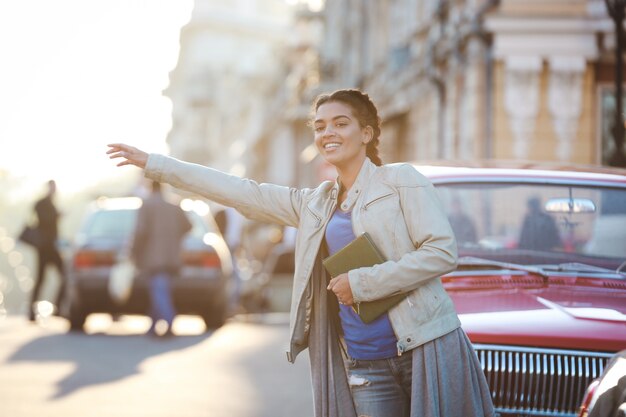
<point>381,388</point>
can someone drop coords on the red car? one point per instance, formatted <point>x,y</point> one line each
<point>541,283</point>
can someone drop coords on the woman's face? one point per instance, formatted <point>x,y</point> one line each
<point>339,137</point>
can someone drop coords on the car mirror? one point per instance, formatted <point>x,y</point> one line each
<point>570,205</point>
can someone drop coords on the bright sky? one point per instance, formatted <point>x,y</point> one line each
<point>78,74</point>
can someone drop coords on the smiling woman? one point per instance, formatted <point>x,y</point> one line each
<point>414,359</point>
<point>70,82</point>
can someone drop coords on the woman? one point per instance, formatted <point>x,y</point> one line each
<point>413,361</point>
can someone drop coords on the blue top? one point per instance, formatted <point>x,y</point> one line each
<point>375,340</point>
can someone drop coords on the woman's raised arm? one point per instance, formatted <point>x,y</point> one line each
<point>266,202</point>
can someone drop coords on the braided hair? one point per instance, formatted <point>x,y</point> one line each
<point>365,112</point>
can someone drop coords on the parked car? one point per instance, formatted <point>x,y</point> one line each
<point>541,284</point>
<point>201,288</point>
<point>606,395</point>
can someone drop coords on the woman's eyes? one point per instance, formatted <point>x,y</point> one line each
<point>320,129</point>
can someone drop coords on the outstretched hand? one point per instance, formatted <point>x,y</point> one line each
<point>131,155</point>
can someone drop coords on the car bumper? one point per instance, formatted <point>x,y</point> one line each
<point>191,295</point>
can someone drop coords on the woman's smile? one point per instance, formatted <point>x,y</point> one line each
<point>331,146</point>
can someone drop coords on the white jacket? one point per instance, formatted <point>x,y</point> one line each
<point>394,203</point>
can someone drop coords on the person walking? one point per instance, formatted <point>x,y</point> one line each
<point>415,360</point>
<point>47,252</point>
<point>156,252</point>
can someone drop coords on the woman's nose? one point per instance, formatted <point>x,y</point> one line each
<point>328,131</point>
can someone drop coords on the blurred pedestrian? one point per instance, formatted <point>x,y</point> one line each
<point>462,225</point>
<point>539,231</point>
<point>47,251</point>
<point>156,252</point>
<point>414,360</point>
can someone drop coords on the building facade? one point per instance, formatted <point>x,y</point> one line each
<point>227,82</point>
<point>478,79</point>
<point>469,80</point>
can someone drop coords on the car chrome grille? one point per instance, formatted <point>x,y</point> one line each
<point>538,382</point>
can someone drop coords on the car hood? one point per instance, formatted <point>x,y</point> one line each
<point>564,313</point>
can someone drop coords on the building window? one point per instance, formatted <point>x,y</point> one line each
<point>393,144</point>
<point>607,119</point>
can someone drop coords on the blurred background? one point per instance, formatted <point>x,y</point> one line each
<point>230,85</point>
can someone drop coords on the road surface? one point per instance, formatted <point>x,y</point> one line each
<point>239,370</point>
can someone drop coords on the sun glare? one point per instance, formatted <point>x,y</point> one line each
<point>78,74</point>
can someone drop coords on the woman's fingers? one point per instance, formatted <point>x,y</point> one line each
<point>121,164</point>
<point>117,150</point>
<point>132,155</point>
<point>115,147</point>
<point>340,285</point>
<point>331,283</point>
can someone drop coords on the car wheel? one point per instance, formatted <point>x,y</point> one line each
<point>214,318</point>
<point>77,317</point>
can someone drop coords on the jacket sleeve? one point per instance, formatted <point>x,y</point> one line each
<point>435,251</point>
<point>264,202</point>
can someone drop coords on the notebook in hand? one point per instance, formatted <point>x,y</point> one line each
<point>361,252</point>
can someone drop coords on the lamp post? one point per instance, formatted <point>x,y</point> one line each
<point>616,9</point>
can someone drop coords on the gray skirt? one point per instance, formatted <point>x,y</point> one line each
<point>448,380</point>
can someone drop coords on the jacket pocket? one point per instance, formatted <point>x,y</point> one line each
<point>381,217</point>
<point>378,199</point>
<point>316,219</point>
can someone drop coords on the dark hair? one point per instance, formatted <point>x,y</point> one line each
<point>364,110</point>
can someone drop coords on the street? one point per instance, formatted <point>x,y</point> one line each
<point>239,370</point>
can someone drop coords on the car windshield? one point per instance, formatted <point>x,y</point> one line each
<point>537,224</point>
<point>119,224</point>
<point>111,224</point>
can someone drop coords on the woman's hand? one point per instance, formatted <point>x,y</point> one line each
<point>132,155</point>
<point>340,285</point>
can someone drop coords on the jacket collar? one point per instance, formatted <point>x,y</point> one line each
<point>362,179</point>
<point>322,208</point>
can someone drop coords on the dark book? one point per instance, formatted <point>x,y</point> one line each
<point>361,252</point>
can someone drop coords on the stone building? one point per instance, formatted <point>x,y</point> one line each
<point>454,79</point>
<point>227,80</point>
<point>477,79</point>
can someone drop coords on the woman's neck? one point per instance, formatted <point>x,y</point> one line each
<point>348,174</point>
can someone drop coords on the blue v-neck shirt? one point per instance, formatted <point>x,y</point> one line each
<point>375,340</point>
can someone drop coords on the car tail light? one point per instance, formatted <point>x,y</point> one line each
<point>584,407</point>
<point>203,259</point>
<point>90,259</point>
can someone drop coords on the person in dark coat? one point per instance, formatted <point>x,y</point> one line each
<point>47,252</point>
<point>156,251</point>
<point>539,230</point>
<point>462,225</point>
